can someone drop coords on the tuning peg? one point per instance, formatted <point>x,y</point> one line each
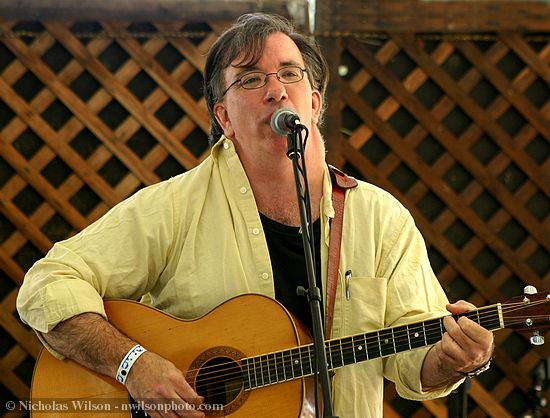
<point>537,339</point>
<point>529,290</point>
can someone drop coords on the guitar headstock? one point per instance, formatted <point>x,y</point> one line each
<point>528,313</point>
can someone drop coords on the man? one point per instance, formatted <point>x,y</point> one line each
<point>230,226</point>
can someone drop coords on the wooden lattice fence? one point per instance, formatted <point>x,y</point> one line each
<point>456,128</point>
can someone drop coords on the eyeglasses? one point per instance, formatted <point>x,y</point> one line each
<point>256,79</point>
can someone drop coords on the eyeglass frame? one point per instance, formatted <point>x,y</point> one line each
<point>276,74</point>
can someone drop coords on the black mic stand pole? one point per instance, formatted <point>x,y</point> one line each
<point>295,152</point>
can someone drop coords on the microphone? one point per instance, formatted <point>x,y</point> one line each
<point>284,120</point>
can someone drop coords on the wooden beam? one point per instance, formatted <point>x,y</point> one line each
<point>359,16</point>
<point>148,10</point>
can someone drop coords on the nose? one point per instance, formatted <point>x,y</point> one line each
<point>275,90</point>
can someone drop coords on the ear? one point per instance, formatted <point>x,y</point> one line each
<point>316,105</point>
<point>220,112</point>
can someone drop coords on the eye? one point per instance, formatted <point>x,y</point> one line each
<point>290,73</point>
<point>252,80</point>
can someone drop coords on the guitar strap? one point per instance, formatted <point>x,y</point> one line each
<point>340,182</point>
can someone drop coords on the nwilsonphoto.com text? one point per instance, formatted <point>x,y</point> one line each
<point>103,405</point>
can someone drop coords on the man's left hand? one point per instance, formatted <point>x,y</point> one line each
<point>465,347</point>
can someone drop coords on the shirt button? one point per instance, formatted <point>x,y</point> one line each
<point>255,231</point>
<point>243,190</point>
<point>225,145</point>
<point>265,276</point>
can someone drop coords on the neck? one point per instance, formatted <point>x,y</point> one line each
<point>275,190</point>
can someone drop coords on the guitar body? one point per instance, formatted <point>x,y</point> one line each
<point>244,326</point>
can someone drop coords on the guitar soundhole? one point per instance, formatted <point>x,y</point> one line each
<point>219,380</point>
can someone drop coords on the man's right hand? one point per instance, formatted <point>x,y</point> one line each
<point>160,388</point>
<point>153,381</point>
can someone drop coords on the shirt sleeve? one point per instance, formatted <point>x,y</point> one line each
<point>119,256</point>
<point>414,294</point>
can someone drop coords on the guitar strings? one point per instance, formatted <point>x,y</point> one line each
<point>371,335</point>
<point>368,338</point>
<point>239,376</point>
<point>264,364</point>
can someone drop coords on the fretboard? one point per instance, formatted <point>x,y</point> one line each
<point>298,362</point>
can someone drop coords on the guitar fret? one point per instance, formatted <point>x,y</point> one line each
<point>246,367</point>
<point>417,334</point>
<point>255,373</point>
<point>296,363</point>
<point>272,369</point>
<point>387,345</point>
<point>332,351</point>
<point>309,356</point>
<point>334,348</point>
<point>360,348</point>
<point>435,334</point>
<point>401,338</point>
<point>329,358</point>
<point>277,369</point>
<point>301,363</point>
<point>372,344</point>
<point>408,336</point>
<point>288,365</point>
<point>258,371</point>
<point>281,366</point>
<point>267,374</point>
<point>348,352</point>
<point>265,369</point>
<point>490,317</point>
<point>493,319</point>
<point>424,329</point>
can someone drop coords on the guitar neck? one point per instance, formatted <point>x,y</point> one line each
<point>298,362</point>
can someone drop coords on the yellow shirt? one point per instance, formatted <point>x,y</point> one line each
<point>196,240</point>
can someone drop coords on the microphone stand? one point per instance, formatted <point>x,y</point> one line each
<point>295,151</point>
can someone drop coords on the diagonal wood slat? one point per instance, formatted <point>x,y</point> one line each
<point>514,41</point>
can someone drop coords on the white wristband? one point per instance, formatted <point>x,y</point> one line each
<point>128,361</point>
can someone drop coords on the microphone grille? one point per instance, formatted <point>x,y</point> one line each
<point>278,120</point>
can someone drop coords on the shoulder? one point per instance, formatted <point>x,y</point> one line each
<point>369,196</point>
<point>181,183</point>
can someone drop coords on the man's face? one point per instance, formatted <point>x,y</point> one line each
<point>245,115</point>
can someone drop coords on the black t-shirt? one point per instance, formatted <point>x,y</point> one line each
<point>288,263</point>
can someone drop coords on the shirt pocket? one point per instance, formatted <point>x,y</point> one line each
<point>365,308</point>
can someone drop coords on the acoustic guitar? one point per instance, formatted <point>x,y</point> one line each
<point>246,356</point>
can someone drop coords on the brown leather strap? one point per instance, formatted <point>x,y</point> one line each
<point>340,182</point>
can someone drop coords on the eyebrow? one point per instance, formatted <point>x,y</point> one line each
<point>251,68</point>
